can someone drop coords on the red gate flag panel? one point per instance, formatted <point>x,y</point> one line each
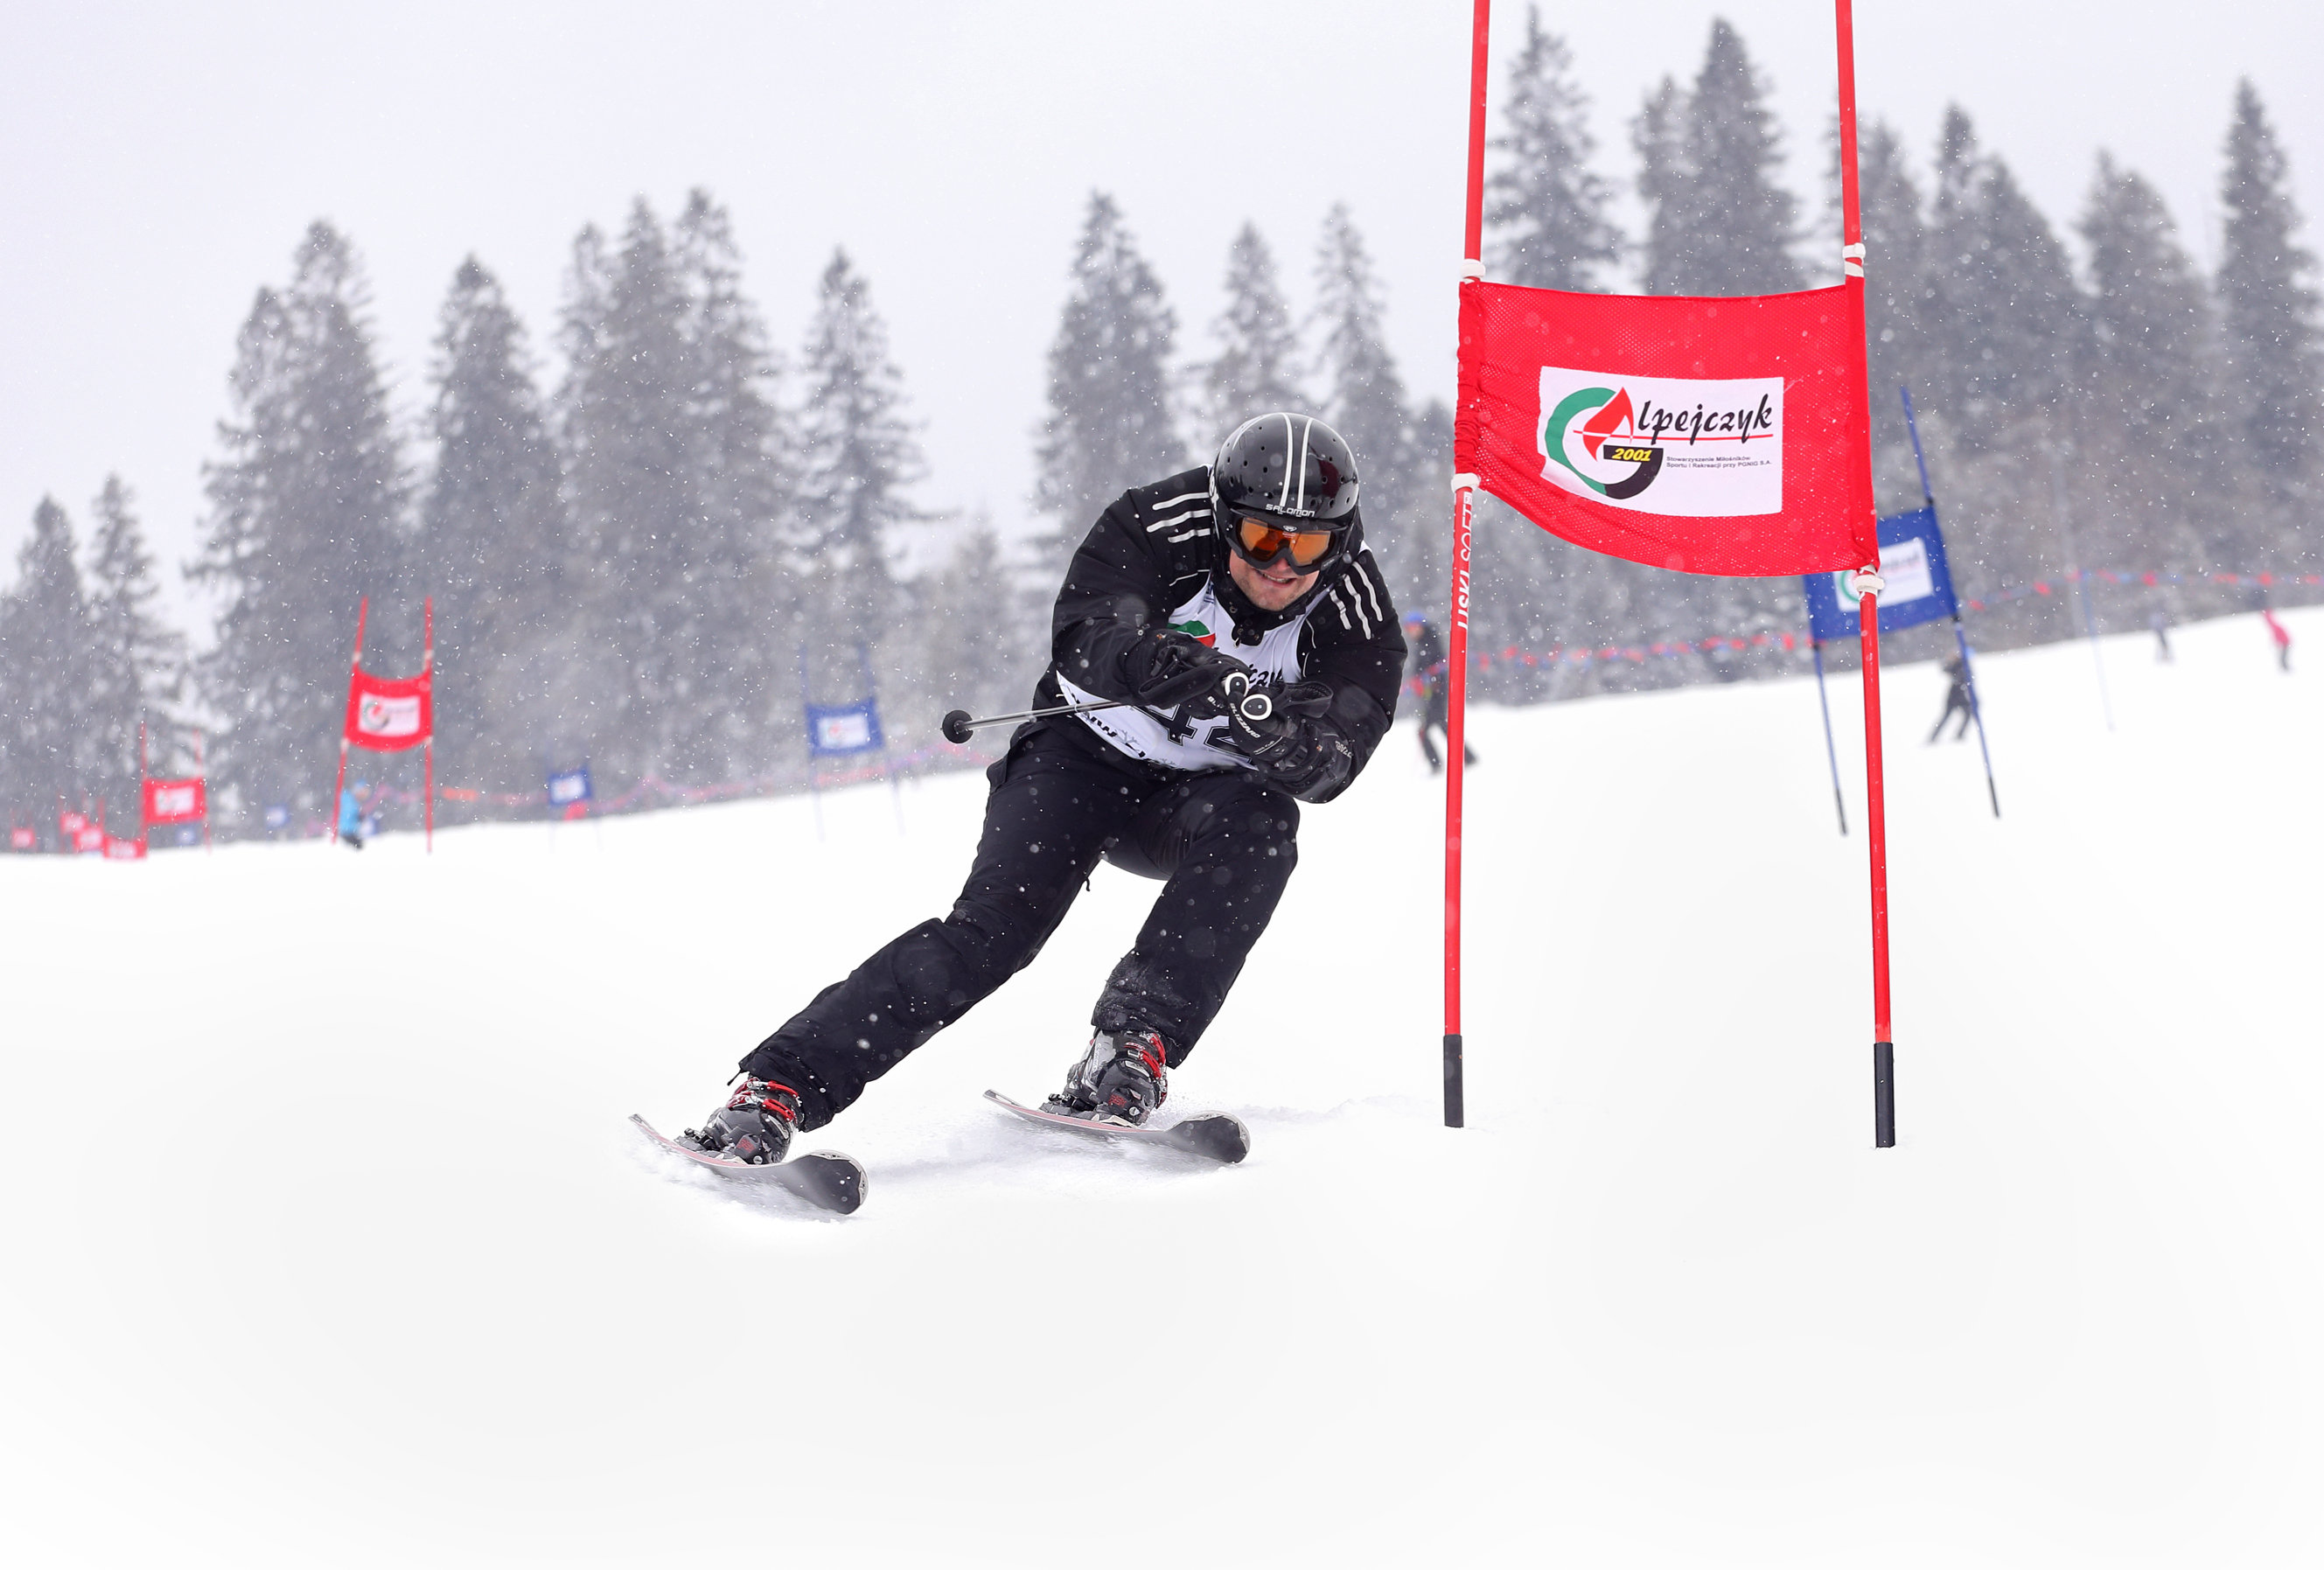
<point>176,800</point>
<point>1729,436</point>
<point>388,715</point>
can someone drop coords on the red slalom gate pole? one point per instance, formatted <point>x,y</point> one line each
<point>1884,1048</point>
<point>428,668</point>
<point>1456,659</point>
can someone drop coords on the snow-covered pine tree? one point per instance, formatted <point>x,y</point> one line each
<point>1545,207</point>
<point>747,600</point>
<point>1258,365</point>
<point>492,539</point>
<point>2004,306</point>
<point>1110,424</point>
<point>49,743</point>
<point>138,659</point>
<point>1895,273</point>
<point>630,490</point>
<point>1720,221</point>
<point>307,516</point>
<point>859,454</point>
<point>2275,345</point>
<point>2150,320</point>
<point>2150,368</point>
<point>1364,401</point>
<point>1665,185</point>
<point>976,638</point>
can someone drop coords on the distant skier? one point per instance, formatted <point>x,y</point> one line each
<point>1190,781</point>
<point>2161,623</point>
<point>1957,699</point>
<point>1430,670</point>
<point>2282,636</point>
<point>354,827</point>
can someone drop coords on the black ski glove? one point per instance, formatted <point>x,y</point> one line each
<point>1166,667</point>
<point>1290,746</point>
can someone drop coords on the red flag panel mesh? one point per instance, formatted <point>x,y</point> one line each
<point>1727,435</point>
<point>389,714</point>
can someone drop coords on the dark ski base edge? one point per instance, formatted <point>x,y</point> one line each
<point>824,1178</point>
<point>1213,1134</point>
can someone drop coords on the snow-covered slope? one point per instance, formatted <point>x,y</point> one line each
<point>327,1241</point>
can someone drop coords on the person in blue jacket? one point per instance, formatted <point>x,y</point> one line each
<point>351,814</point>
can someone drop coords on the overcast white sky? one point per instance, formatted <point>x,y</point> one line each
<point>161,160</point>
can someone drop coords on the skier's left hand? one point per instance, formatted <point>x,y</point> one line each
<point>1287,745</point>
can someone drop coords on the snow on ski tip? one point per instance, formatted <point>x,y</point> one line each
<point>824,1178</point>
<point>1215,1135</point>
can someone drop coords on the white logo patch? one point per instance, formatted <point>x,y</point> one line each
<point>1654,444</point>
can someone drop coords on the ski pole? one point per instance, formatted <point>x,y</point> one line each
<point>957,723</point>
<point>1254,705</point>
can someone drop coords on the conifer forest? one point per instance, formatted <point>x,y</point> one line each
<point>652,526</point>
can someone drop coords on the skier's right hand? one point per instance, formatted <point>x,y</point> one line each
<point>1166,667</point>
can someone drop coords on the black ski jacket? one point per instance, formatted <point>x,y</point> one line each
<point>1141,559</point>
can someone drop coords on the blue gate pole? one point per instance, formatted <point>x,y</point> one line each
<point>1960,638</point>
<point>1976,712</point>
<point>2081,583</point>
<point>1838,802</point>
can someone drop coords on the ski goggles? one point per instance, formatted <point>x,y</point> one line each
<point>1263,542</point>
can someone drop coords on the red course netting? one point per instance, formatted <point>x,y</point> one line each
<point>1812,342</point>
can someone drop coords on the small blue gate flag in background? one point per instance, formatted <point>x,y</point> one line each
<point>570,786</point>
<point>847,728</point>
<point>1913,565</point>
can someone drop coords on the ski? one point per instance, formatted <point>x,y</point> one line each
<point>824,1178</point>
<point>1214,1135</point>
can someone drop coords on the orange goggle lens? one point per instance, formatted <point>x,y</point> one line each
<point>1263,542</point>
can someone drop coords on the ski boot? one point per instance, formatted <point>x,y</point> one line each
<point>754,1125</point>
<point>1120,1080</point>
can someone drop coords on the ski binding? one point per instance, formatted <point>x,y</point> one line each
<point>1215,1135</point>
<point>824,1178</point>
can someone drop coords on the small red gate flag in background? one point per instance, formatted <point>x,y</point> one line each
<point>176,801</point>
<point>389,714</point>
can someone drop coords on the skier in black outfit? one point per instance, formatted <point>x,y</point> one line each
<point>1429,668</point>
<point>1958,701</point>
<point>1188,597</point>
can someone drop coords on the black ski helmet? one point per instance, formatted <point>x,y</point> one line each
<point>1291,468</point>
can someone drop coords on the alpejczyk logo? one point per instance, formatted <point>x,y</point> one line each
<point>1703,448</point>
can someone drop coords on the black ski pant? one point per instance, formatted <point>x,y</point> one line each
<point>1435,715</point>
<point>1223,842</point>
<point>1957,702</point>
